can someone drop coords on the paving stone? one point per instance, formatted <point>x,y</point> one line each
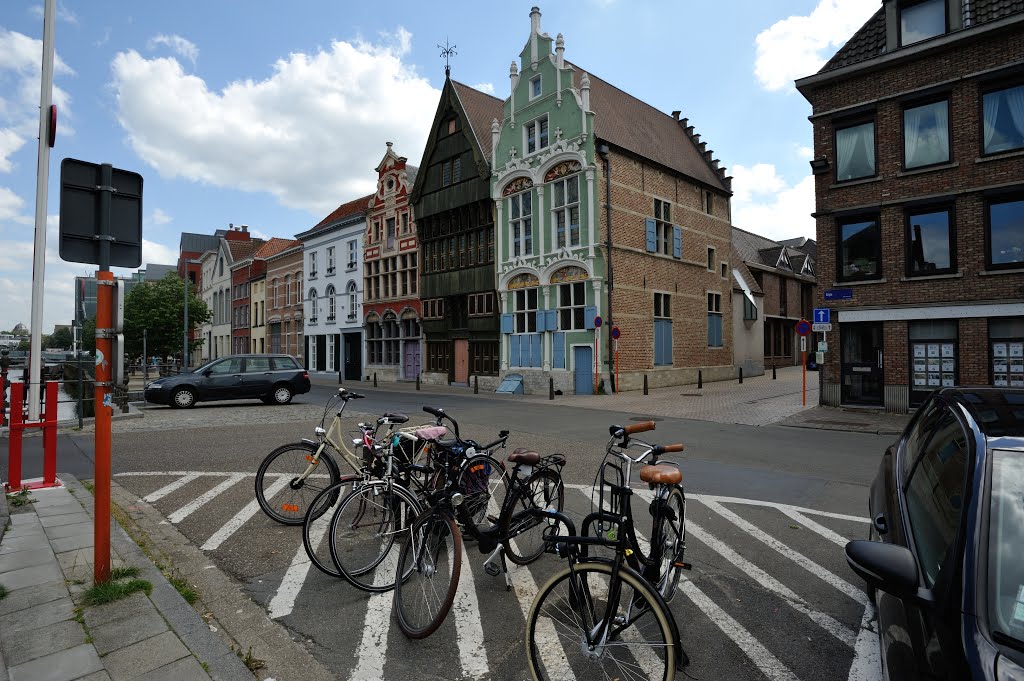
<point>60,509</point>
<point>60,666</point>
<point>144,656</point>
<point>30,576</point>
<point>22,519</point>
<point>23,559</point>
<point>77,564</point>
<point>98,615</point>
<point>63,544</point>
<point>26,543</point>
<point>22,646</point>
<point>97,676</point>
<point>185,669</point>
<point>32,596</point>
<point>85,527</point>
<point>66,519</point>
<point>120,633</point>
<point>37,616</point>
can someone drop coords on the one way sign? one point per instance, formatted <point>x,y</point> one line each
<point>822,315</point>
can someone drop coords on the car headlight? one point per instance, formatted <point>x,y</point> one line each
<point>153,384</point>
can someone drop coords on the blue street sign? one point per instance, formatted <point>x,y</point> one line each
<point>839,294</point>
<point>822,315</point>
<point>598,322</point>
<point>803,327</point>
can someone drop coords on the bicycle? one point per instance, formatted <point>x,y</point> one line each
<point>613,613</point>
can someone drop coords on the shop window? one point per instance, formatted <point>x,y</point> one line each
<point>934,361</point>
<point>1006,352</point>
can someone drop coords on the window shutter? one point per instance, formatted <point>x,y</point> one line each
<point>539,316</point>
<point>589,314</point>
<point>677,241</point>
<point>506,323</point>
<point>652,235</point>
<point>536,348</point>
<point>558,350</point>
<point>667,341</point>
<point>513,345</point>
<point>551,320</point>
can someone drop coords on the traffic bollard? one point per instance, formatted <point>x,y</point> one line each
<point>551,388</point>
<point>773,371</point>
<point>741,375</point>
<point>700,379</point>
<point>476,385</point>
<point>374,379</point>
<point>645,384</point>
<point>417,381</point>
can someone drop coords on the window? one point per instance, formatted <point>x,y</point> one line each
<point>462,250</point>
<point>933,356</point>
<point>860,249</point>
<point>392,335</point>
<point>312,264</point>
<point>1006,351</point>
<point>526,310</point>
<point>537,134</point>
<point>921,20</point>
<point>1003,119</point>
<point>433,308</point>
<point>1005,234</point>
<point>330,260</point>
<point>783,295</point>
<point>709,202</point>
<point>439,356</point>
<point>288,289</point>
<point>257,365</point>
<point>331,303</point>
<point>391,232</point>
<point>1005,531</point>
<point>312,306</point>
<point>481,304</point>
<point>931,244</point>
<point>484,358</point>
<point>353,302</point>
<point>535,88</point>
<point>227,367</point>
<point>353,254</point>
<point>405,223</point>
<point>750,312</point>
<point>714,320</point>
<point>220,268</point>
<point>934,493</point>
<point>572,299</point>
<point>567,211</point>
<point>926,134</point>
<point>452,126</point>
<point>725,269</point>
<point>662,329</point>
<point>855,151</point>
<point>662,219</point>
<point>446,173</point>
<point>521,219</point>
<point>456,170</point>
<point>711,259</point>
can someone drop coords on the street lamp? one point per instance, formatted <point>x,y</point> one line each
<point>184,347</point>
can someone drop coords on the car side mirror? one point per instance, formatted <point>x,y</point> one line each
<point>208,373</point>
<point>887,567</point>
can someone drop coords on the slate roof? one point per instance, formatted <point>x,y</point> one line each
<point>198,243</point>
<point>157,272</point>
<point>481,108</point>
<point>351,208</point>
<point>987,10</point>
<point>802,243</point>
<point>272,247</point>
<point>759,250</point>
<point>740,270</point>
<point>625,121</point>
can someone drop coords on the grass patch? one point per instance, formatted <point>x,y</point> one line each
<point>79,615</point>
<point>183,587</point>
<point>123,572</point>
<point>110,591</point>
<point>3,592</point>
<point>19,499</point>
<point>250,660</point>
<point>89,486</point>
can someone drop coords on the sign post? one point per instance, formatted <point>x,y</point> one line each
<point>803,327</point>
<point>615,337</point>
<point>597,346</point>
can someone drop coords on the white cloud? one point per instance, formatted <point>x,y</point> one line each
<point>180,46</point>
<point>310,133</point>
<point>159,217</point>
<point>798,46</point>
<point>10,204</point>
<point>804,153</point>
<point>485,87</point>
<point>764,203</point>
<point>158,254</point>
<point>63,13</point>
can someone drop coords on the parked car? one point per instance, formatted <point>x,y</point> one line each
<point>271,378</point>
<point>945,559</point>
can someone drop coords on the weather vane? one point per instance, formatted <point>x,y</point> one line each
<point>448,51</point>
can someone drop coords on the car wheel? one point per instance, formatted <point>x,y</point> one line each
<point>282,394</point>
<point>183,398</point>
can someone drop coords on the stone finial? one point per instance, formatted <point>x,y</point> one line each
<point>560,51</point>
<point>585,91</point>
<point>585,81</point>
<point>535,19</point>
<point>494,125</point>
<point>513,70</point>
<point>559,41</point>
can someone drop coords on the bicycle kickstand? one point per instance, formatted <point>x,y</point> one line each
<point>495,565</point>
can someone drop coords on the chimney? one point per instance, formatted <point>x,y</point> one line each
<point>675,115</point>
<point>535,20</point>
<point>685,122</point>
<point>244,228</point>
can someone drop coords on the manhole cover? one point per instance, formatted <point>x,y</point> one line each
<point>690,394</point>
<point>645,418</point>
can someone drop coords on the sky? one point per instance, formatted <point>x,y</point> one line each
<point>271,115</point>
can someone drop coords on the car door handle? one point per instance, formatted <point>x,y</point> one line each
<point>881,527</point>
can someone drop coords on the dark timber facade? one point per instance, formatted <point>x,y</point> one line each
<point>455,219</point>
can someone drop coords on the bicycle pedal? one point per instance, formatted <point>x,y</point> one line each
<point>492,569</point>
<point>685,566</point>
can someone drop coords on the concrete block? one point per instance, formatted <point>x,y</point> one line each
<point>32,596</point>
<point>124,632</point>
<point>24,519</point>
<point>59,509</point>
<point>144,656</point>
<point>185,669</point>
<point>98,615</point>
<point>79,541</point>
<point>84,528</point>
<point>30,576</point>
<point>66,519</point>
<point>37,617</point>
<point>14,543</point>
<point>64,665</point>
<point>23,646</point>
<point>28,558</point>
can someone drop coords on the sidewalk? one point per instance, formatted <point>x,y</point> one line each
<point>49,633</point>
<point>853,420</point>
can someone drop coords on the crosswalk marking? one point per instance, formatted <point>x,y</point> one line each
<point>167,489</point>
<point>469,631</point>
<point>284,600</point>
<point>194,505</point>
<point>239,519</point>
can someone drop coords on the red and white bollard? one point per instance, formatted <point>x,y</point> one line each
<point>48,423</point>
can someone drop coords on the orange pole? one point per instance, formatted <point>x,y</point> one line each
<point>803,372</point>
<point>596,369</point>
<point>50,436</point>
<point>14,449</point>
<point>616,367</point>
<point>101,531</point>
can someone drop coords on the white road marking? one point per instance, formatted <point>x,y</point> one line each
<point>167,489</point>
<point>198,502</point>
<point>817,528</point>
<point>469,631</point>
<point>781,507</point>
<point>373,647</point>
<point>288,590</point>
<point>240,518</point>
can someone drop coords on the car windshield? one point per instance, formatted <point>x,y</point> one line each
<point>1005,539</point>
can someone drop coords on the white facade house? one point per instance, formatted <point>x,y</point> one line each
<point>216,288</point>
<point>332,308</point>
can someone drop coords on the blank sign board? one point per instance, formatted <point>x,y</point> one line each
<point>81,188</point>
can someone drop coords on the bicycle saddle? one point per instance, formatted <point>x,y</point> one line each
<point>524,456</point>
<point>661,474</point>
<point>396,418</point>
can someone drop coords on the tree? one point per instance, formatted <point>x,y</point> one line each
<point>61,338</point>
<point>157,309</point>
<point>89,335</point>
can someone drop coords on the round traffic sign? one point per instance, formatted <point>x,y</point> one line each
<point>598,322</point>
<point>616,333</point>
<point>803,327</point>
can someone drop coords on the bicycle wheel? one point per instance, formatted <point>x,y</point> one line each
<point>280,493</point>
<point>317,522</point>
<point>638,643</point>
<point>544,490</point>
<point>483,482</point>
<point>670,533</point>
<point>432,556</point>
<point>367,531</point>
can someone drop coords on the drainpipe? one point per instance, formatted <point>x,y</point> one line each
<point>602,150</point>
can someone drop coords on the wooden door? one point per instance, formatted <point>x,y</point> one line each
<point>462,361</point>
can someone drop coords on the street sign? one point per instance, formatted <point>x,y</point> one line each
<point>598,322</point>
<point>83,195</point>
<point>822,315</point>
<point>803,327</point>
<point>803,343</point>
<point>821,328</point>
<point>839,294</point>
<point>616,333</point>
<point>821,358</point>
<point>822,346</point>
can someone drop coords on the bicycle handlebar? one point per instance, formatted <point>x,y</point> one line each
<point>625,431</point>
<point>500,441</point>
<point>441,415</point>
<point>667,449</point>
<point>348,395</point>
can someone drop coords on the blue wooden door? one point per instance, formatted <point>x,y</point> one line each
<point>583,365</point>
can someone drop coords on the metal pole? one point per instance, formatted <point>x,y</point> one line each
<point>42,182</point>
<point>104,357</point>
<point>81,387</point>
<point>145,359</point>
<point>184,343</point>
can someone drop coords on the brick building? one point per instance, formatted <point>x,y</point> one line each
<point>568,144</point>
<point>918,135</point>
<point>391,307</point>
<point>284,301</point>
<point>258,292</point>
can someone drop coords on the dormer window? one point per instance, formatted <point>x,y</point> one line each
<point>535,87</point>
<point>921,19</point>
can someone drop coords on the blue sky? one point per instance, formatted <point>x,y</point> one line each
<point>269,115</point>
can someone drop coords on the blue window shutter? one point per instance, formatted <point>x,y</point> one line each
<point>652,235</point>
<point>558,350</point>
<point>540,320</point>
<point>536,346</point>
<point>506,323</point>
<point>668,342</point>
<point>551,320</point>
<point>718,331</point>
<point>677,242</point>
<point>589,315</point>
<point>513,344</point>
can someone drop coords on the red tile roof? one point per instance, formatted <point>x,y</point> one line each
<point>272,247</point>
<point>240,250</point>
<point>354,207</point>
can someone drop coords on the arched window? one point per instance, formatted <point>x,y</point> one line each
<point>330,303</point>
<point>220,268</point>
<point>392,335</point>
<point>312,305</point>
<point>353,302</point>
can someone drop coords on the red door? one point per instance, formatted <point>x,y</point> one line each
<point>462,361</point>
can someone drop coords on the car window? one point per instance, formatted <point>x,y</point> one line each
<point>917,437</point>
<point>935,493</point>
<point>283,363</point>
<point>228,366</point>
<point>1005,537</point>
<point>257,364</point>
